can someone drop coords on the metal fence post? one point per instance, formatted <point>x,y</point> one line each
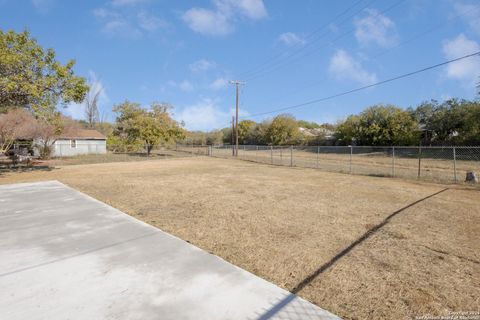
<point>419,160</point>
<point>454,164</point>
<point>256,153</point>
<point>351,154</point>
<point>271,153</point>
<point>291,156</point>
<point>393,161</point>
<point>318,153</point>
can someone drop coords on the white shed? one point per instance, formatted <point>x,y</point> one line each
<point>81,141</point>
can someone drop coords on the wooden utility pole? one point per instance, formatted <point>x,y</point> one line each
<point>236,83</point>
<point>233,136</point>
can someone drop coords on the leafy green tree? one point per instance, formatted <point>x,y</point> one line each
<point>31,77</point>
<point>380,125</point>
<point>450,122</point>
<point>226,135</point>
<point>214,137</point>
<point>349,131</point>
<point>308,124</point>
<point>245,131</point>
<point>195,138</point>
<point>328,126</point>
<point>150,127</point>
<point>126,129</point>
<point>259,132</point>
<point>469,133</point>
<point>282,130</point>
<point>446,120</point>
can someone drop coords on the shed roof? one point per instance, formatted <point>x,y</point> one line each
<point>86,134</point>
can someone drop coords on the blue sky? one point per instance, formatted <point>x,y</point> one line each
<point>288,52</point>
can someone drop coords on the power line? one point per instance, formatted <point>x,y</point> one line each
<point>279,65</point>
<point>299,47</point>
<point>425,32</point>
<point>367,86</point>
<point>383,52</point>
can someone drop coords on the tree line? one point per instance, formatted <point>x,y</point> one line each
<point>34,86</point>
<point>451,122</point>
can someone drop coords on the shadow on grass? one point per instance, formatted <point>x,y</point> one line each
<point>25,168</point>
<point>144,155</point>
<point>312,276</point>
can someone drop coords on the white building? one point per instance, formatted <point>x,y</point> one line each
<point>81,141</point>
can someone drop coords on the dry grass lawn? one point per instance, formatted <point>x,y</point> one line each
<point>283,224</point>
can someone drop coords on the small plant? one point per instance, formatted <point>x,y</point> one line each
<point>44,151</point>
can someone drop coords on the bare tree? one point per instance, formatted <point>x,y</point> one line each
<point>49,131</point>
<point>15,124</point>
<point>91,105</point>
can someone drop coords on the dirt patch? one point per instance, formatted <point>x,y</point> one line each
<point>284,223</point>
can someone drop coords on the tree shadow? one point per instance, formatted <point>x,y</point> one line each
<point>279,306</point>
<point>25,168</point>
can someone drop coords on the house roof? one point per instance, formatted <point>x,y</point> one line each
<point>87,134</point>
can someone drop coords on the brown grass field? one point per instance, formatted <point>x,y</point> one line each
<point>302,228</point>
<point>439,168</point>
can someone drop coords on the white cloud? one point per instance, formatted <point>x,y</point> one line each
<point>77,110</point>
<point>202,65</point>
<point>42,5</point>
<point>207,22</point>
<point>375,28</point>
<point>127,22</point>
<point>470,13</point>
<point>466,70</point>
<point>345,67</point>
<point>254,9</point>
<point>120,3</point>
<point>219,83</point>
<point>185,86</point>
<point>291,39</point>
<point>207,115</point>
<point>150,22</point>
<point>204,115</point>
<point>220,20</point>
<point>101,13</point>
<point>121,27</point>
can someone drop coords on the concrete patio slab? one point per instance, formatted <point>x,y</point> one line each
<point>65,255</point>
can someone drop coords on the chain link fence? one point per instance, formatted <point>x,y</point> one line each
<point>27,155</point>
<point>438,164</point>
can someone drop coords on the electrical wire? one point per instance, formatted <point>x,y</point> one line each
<point>383,52</point>
<point>300,47</point>
<point>366,87</point>
<point>280,65</point>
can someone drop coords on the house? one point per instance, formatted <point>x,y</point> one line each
<point>327,134</point>
<point>78,142</point>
